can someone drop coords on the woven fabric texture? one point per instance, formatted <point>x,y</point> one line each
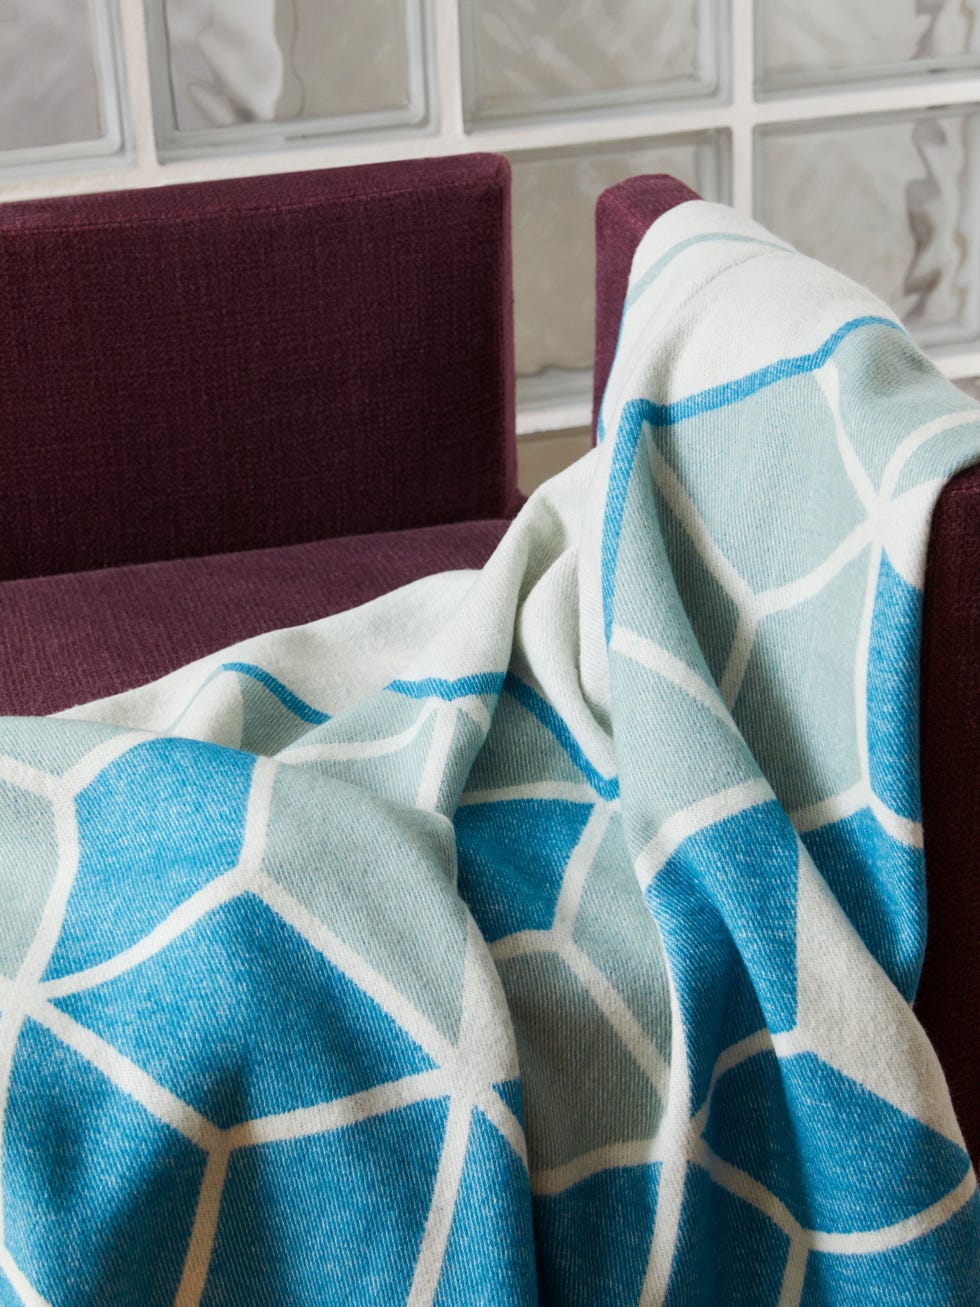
<point>239,364</point>
<point>948,998</point>
<point>546,933</point>
<point>69,638</point>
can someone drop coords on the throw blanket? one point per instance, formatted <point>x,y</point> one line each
<point>539,934</point>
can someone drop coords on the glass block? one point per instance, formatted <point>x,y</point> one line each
<point>891,200</point>
<point>241,71</point>
<point>58,83</point>
<point>554,196</point>
<point>799,43</point>
<point>524,58</point>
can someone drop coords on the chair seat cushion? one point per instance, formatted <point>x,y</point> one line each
<point>79,636</point>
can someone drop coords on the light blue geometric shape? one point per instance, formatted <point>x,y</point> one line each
<point>893,693</point>
<point>46,743</point>
<point>328,1219</point>
<point>594,1238</point>
<point>806,502</point>
<point>99,1196</point>
<point>154,826</point>
<point>28,865</point>
<point>880,884</point>
<point>616,930</point>
<point>9,1297</point>
<point>840,1158</point>
<point>520,750</point>
<point>947,1259</point>
<point>242,1018</point>
<point>727,1253</point>
<point>887,389</point>
<point>490,1252</point>
<point>512,857</point>
<point>796,705</point>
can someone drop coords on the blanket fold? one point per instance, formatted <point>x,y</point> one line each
<point>542,934</point>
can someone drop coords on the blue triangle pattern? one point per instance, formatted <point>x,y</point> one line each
<point>727,1251</point>
<point>335,1195</point>
<point>490,1253</point>
<point>880,884</point>
<point>510,1092</point>
<point>812,1144</point>
<point>893,693</point>
<point>718,1004</point>
<point>242,1018</point>
<point>512,858</point>
<point>594,1238</point>
<point>99,1196</point>
<point>948,1256</point>
<point>155,826</point>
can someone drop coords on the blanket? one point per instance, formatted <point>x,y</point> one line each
<point>539,934</point>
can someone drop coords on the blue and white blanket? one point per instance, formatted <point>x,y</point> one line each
<point>542,934</point>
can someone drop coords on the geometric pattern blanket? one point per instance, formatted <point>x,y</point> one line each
<point>539,934</point>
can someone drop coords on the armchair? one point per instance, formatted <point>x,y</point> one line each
<point>241,405</point>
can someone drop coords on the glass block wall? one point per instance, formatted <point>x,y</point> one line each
<point>851,127</point>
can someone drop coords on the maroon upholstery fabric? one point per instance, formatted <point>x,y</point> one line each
<point>236,364</point>
<point>622,216</point>
<point>72,637</point>
<point>948,998</point>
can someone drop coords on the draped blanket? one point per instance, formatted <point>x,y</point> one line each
<point>541,934</point>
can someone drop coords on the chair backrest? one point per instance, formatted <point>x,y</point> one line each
<point>235,364</point>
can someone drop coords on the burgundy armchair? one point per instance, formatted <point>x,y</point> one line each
<point>241,405</point>
<point>231,407</point>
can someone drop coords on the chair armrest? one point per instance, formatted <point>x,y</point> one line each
<point>622,215</point>
<point>948,999</point>
<point>263,361</point>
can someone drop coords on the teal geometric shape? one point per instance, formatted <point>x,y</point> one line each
<point>512,857</point>
<point>727,1250</point>
<point>893,693</point>
<point>594,1238</point>
<point>796,705</point>
<point>582,1089</point>
<point>99,1195</point>
<point>805,499</point>
<point>819,1140</point>
<point>490,1252</point>
<point>154,826</point>
<point>615,928</point>
<point>880,884</point>
<point>242,1018</point>
<point>718,1002</point>
<point>746,866</point>
<point>328,1219</point>
<point>510,1092</point>
<point>28,862</point>
<point>947,1259</point>
<point>330,846</point>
